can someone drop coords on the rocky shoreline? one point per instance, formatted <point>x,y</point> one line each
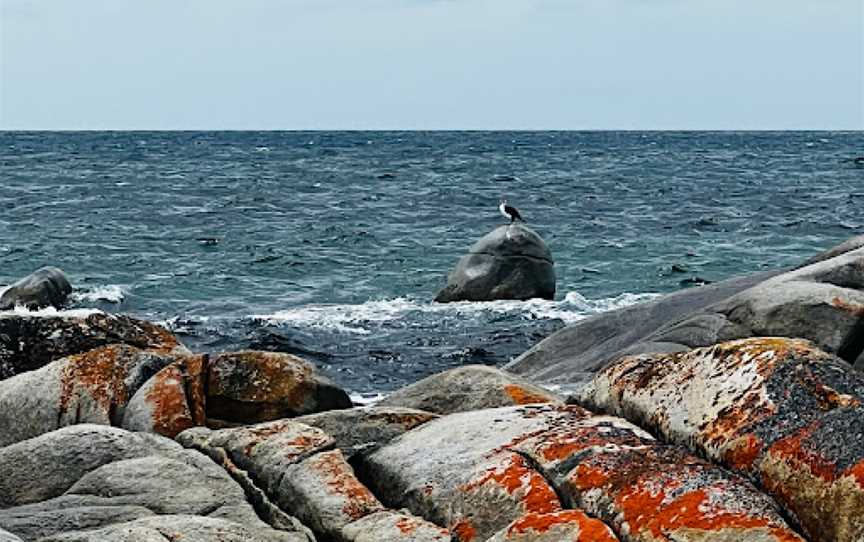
<point>727,412</point>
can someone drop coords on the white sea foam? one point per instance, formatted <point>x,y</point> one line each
<point>359,318</point>
<point>365,399</point>
<point>110,293</point>
<point>50,312</point>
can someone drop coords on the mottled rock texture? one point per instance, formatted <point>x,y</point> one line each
<point>390,526</point>
<point>28,342</point>
<point>563,526</point>
<point>778,410</point>
<point>92,387</point>
<point>471,387</point>
<point>89,477</point>
<point>45,287</point>
<point>822,301</point>
<point>481,472</point>
<point>252,386</point>
<point>297,468</point>
<point>510,262</point>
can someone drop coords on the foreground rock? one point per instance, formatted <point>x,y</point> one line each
<point>780,411</point>
<point>499,472</point>
<point>296,468</point>
<point>510,262</point>
<point>471,387</point>
<point>45,287</point>
<point>252,386</point>
<point>129,486</point>
<point>28,342</point>
<point>93,387</point>
<point>822,301</point>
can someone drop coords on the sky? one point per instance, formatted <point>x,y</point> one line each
<point>432,64</point>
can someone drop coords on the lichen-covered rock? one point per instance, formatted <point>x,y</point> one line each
<point>481,472</point>
<point>295,466</point>
<point>510,262</point>
<point>323,493</point>
<point>92,387</point>
<point>28,341</point>
<point>362,429</point>
<point>171,401</point>
<point>264,450</point>
<point>251,386</point>
<point>45,287</point>
<point>822,301</point>
<point>564,526</point>
<point>90,477</point>
<point>471,387</point>
<point>390,526</point>
<point>176,527</point>
<point>779,410</point>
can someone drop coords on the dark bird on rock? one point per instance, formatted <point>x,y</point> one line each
<point>510,212</point>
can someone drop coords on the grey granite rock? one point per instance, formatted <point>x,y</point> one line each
<point>510,262</point>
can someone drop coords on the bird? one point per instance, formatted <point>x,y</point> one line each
<point>510,212</point>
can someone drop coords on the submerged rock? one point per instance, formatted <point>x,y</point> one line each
<point>510,262</point>
<point>45,287</point>
<point>781,411</point>
<point>102,483</point>
<point>471,387</point>
<point>28,342</point>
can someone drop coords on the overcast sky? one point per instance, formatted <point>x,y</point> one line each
<point>432,64</point>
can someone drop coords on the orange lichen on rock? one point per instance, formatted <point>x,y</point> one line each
<point>464,531</point>
<point>515,477</point>
<point>407,525</point>
<point>99,374</point>
<point>340,479</point>
<point>590,529</point>
<point>521,396</point>
<point>167,397</point>
<point>743,453</point>
<point>793,450</point>
<point>857,310</point>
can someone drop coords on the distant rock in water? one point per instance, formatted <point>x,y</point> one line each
<point>46,287</point>
<point>510,262</point>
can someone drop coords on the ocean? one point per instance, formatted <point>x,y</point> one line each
<point>331,245</point>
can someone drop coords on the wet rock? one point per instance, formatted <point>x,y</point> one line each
<point>28,342</point>
<point>510,262</point>
<point>93,387</point>
<point>296,467</point>
<point>471,387</point>
<point>252,386</point>
<point>45,287</point>
<point>778,410</point>
<point>481,472</point>
<point>822,301</point>
<point>362,429</point>
<point>564,526</point>
<point>390,526</point>
<point>90,477</point>
<point>171,401</point>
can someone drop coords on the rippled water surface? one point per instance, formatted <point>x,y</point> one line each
<point>332,244</point>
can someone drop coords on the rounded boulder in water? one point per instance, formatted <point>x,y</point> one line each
<point>44,287</point>
<point>510,262</point>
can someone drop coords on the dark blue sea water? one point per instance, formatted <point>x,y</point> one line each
<point>332,244</point>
